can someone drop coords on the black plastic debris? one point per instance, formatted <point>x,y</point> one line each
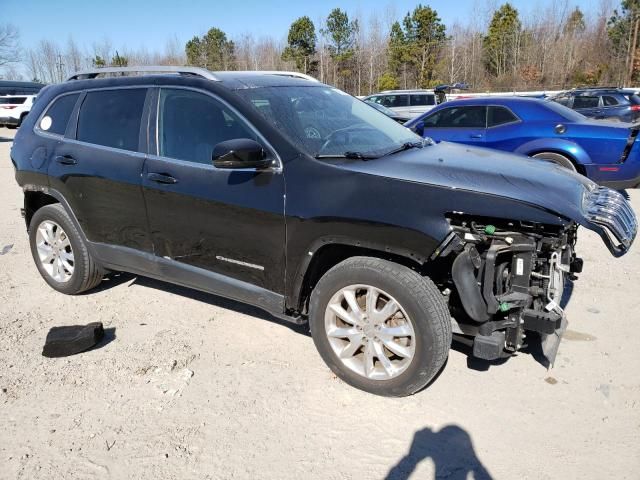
<point>65,341</point>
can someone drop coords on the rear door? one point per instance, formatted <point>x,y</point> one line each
<point>460,124</point>
<point>587,105</point>
<point>97,166</point>
<point>226,221</point>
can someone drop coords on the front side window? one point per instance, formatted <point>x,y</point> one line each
<point>421,100</point>
<point>500,116</point>
<point>57,115</point>
<point>191,124</point>
<point>323,121</point>
<point>458,117</point>
<point>112,118</point>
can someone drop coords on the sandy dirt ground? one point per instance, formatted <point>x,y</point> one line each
<point>188,385</point>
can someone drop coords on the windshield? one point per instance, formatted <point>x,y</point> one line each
<point>565,112</point>
<point>326,122</point>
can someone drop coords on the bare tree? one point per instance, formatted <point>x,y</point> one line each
<point>9,46</point>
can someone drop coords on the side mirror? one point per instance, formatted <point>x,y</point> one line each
<point>419,128</point>
<point>240,153</point>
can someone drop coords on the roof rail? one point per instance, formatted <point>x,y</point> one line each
<point>196,71</point>
<point>281,73</point>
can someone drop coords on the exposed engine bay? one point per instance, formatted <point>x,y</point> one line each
<point>507,279</point>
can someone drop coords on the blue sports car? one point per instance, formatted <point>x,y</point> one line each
<point>605,152</point>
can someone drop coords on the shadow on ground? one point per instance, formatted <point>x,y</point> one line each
<point>451,451</point>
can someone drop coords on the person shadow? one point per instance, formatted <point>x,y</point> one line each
<point>451,451</point>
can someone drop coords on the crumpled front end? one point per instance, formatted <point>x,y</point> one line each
<point>507,278</point>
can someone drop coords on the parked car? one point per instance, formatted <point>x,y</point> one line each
<point>370,234</point>
<point>14,108</point>
<point>602,103</point>
<point>9,87</point>
<point>605,152</point>
<point>405,102</point>
<point>388,112</point>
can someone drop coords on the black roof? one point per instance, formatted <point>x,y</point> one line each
<point>9,87</point>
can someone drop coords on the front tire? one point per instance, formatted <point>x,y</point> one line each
<point>380,326</point>
<point>60,253</point>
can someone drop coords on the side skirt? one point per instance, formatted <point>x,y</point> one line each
<point>149,265</point>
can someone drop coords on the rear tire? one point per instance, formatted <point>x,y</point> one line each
<point>556,158</point>
<point>60,253</point>
<point>394,355</point>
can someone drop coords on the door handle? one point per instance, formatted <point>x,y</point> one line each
<point>476,135</point>
<point>66,160</point>
<point>162,178</point>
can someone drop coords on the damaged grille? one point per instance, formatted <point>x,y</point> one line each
<point>609,209</point>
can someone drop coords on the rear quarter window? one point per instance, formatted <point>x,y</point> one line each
<point>57,116</point>
<point>112,118</point>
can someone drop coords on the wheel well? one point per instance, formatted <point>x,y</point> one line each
<point>330,255</point>
<point>579,167</point>
<point>34,201</point>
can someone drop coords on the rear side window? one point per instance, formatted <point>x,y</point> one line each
<point>609,101</point>
<point>57,116</point>
<point>500,116</point>
<point>391,101</point>
<point>584,101</point>
<point>112,118</point>
<point>191,124</point>
<point>422,100</point>
<point>458,117</point>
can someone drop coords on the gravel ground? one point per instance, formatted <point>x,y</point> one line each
<point>189,385</point>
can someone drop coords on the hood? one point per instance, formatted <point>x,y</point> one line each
<point>532,181</point>
<point>486,171</point>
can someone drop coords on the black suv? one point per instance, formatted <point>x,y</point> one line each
<point>384,242</point>
<point>602,103</point>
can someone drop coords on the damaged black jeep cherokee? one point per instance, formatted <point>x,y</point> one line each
<point>293,196</point>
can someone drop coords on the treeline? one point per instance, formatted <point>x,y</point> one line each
<point>499,48</point>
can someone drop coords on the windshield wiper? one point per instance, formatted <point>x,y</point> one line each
<point>349,155</point>
<point>406,146</point>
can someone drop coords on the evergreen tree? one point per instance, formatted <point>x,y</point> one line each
<point>501,42</point>
<point>301,45</point>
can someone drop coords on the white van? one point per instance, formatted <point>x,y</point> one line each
<point>409,103</point>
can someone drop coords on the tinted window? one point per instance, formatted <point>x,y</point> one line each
<point>112,118</point>
<point>12,100</point>
<point>609,101</point>
<point>191,124</point>
<point>458,117</point>
<point>422,100</point>
<point>563,100</point>
<point>391,101</point>
<point>57,116</point>
<point>500,116</point>
<point>584,101</point>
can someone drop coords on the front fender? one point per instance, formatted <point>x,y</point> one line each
<point>556,145</point>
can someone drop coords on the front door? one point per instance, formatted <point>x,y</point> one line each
<point>460,124</point>
<point>229,222</point>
